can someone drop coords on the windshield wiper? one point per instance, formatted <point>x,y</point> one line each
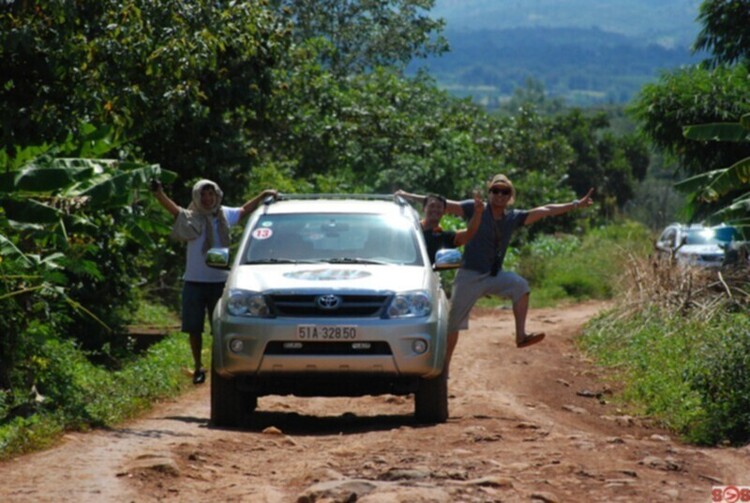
<point>279,261</point>
<point>354,260</point>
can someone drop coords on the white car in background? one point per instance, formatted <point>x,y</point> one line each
<point>696,244</point>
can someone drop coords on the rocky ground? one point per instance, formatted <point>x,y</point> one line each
<point>535,424</point>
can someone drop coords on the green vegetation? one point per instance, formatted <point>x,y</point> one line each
<point>99,96</point>
<point>79,395</point>
<point>681,353</point>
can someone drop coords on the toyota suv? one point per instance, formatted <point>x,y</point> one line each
<point>329,296</point>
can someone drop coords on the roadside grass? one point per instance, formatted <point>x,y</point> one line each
<point>74,394</point>
<point>565,268</point>
<point>678,343</point>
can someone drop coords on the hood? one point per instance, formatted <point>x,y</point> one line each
<point>302,277</point>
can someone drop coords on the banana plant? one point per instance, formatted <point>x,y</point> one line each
<point>46,197</point>
<point>715,186</point>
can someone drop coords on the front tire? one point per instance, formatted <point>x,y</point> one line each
<point>431,400</point>
<point>230,407</point>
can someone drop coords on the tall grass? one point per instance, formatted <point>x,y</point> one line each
<point>567,268</point>
<point>679,342</point>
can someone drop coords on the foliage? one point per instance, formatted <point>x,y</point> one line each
<point>727,189</point>
<point>69,229</point>
<point>362,35</point>
<point>721,379</point>
<point>74,394</point>
<point>688,373</point>
<point>587,267</point>
<point>186,83</point>
<point>611,164</point>
<point>726,31</point>
<point>694,96</point>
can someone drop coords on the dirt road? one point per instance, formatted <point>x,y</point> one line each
<point>536,424</point>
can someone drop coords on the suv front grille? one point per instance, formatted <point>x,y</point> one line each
<point>328,348</point>
<point>351,306</point>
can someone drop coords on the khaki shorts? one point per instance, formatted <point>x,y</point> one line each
<point>469,286</point>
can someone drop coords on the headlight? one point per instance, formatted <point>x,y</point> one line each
<point>244,303</point>
<point>410,305</point>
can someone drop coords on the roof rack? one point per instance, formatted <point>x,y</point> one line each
<point>362,197</point>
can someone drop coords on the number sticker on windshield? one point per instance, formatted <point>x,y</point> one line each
<point>262,233</point>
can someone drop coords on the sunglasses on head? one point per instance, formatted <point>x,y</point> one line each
<point>505,192</point>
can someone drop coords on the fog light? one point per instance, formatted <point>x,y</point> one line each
<point>236,345</point>
<point>419,346</point>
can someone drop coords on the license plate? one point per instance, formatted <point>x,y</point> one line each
<point>326,332</point>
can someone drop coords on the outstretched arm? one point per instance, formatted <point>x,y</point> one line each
<point>553,210</point>
<point>163,199</point>
<point>451,207</point>
<point>253,203</point>
<point>463,236</point>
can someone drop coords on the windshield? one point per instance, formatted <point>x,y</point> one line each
<point>708,235</point>
<point>334,238</point>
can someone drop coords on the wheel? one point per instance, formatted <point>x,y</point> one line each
<point>230,407</point>
<point>431,400</point>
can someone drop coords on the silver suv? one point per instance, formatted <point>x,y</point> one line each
<point>329,296</point>
<point>697,245</point>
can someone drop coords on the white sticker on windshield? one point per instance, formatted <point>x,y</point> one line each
<point>262,233</point>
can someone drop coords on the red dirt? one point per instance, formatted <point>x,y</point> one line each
<point>534,424</point>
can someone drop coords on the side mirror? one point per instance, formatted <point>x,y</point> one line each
<point>218,258</point>
<point>447,258</point>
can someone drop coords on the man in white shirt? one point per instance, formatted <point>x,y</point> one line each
<point>203,224</point>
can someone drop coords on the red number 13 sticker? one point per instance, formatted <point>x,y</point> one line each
<point>262,233</point>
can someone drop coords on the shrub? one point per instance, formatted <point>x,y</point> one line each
<point>679,341</point>
<point>721,377</point>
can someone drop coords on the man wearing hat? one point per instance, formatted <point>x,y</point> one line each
<point>481,272</point>
<point>202,225</point>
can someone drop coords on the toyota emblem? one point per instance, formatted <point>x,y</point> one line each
<point>328,302</point>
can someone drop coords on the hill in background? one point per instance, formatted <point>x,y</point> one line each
<point>585,51</point>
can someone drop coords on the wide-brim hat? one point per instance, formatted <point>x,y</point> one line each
<point>501,180</point>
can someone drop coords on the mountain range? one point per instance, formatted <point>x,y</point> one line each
<point>584,51</point>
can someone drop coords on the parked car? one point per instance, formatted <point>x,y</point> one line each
<point>696,244</point>
<point>329,296</point>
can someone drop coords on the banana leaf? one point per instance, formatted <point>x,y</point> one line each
<point>45,179</point>
<point>696,182</point>
<point>29,211</point>
<point>737,212</point>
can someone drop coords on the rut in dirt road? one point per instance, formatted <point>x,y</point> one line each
<point>536,424</point>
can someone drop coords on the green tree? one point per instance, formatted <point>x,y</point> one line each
<point>694,96</point>
<point>72,233</point>
<point>185,83</point>
<point>609,163</point>
<point>726,31</point>
<point>364,34</point>
<point>705,96</point>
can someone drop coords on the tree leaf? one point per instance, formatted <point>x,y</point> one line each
<point>726,131</point>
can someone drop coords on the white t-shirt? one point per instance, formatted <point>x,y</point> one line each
<point>195,263</point>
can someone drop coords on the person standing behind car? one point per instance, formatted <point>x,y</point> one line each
<point>436,238</point>
<point>204,224</point>
<point>481,272</point>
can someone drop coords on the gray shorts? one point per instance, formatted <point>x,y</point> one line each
<point>198,300</point>
<point>469,286</point>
